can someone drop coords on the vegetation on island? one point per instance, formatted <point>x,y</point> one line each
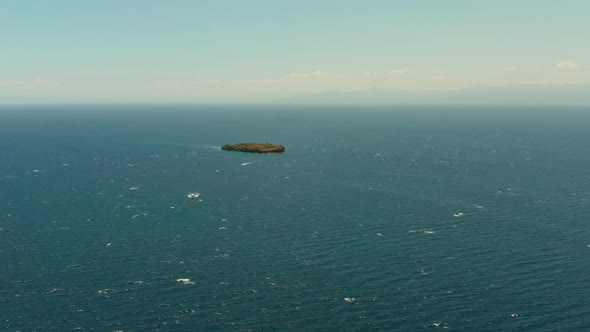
<point>254,147</point>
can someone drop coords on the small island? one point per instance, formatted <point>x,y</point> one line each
<point>254,147</point>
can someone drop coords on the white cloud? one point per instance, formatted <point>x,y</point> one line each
<point>439,71</point>
<point>370,74</point>
<point>297,76</point>
<point>394,72</point>
<point>10,83</point>
<point>102,73</point>
<point>319,73</point>
<point>313,74</point>
<point>510,68</point>
<point>210,82</point>
<point>29,85</point>
<point>399,72</point>
<point>440,78</point>
<point>566,65</point>
<point>188,84</point>
<point>263,81</point>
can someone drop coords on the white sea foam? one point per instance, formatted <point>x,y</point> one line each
<point>185,281</point>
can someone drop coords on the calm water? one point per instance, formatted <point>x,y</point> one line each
<point>464,219</point>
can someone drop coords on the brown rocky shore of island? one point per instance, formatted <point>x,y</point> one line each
<point>254,147</point>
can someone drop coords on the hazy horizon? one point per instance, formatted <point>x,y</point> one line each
<point>269,51</point>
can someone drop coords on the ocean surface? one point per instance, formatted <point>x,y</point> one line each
<point>375,218</point>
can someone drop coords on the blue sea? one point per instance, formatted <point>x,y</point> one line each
<point>393,218</point>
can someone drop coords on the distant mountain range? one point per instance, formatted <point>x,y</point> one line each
<point>515,94</point>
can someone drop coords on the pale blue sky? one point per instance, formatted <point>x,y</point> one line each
<point>113,50</point>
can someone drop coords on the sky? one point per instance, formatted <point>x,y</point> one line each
<point>259,50</point>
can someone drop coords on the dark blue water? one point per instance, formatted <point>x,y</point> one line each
<point>391,218</point>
